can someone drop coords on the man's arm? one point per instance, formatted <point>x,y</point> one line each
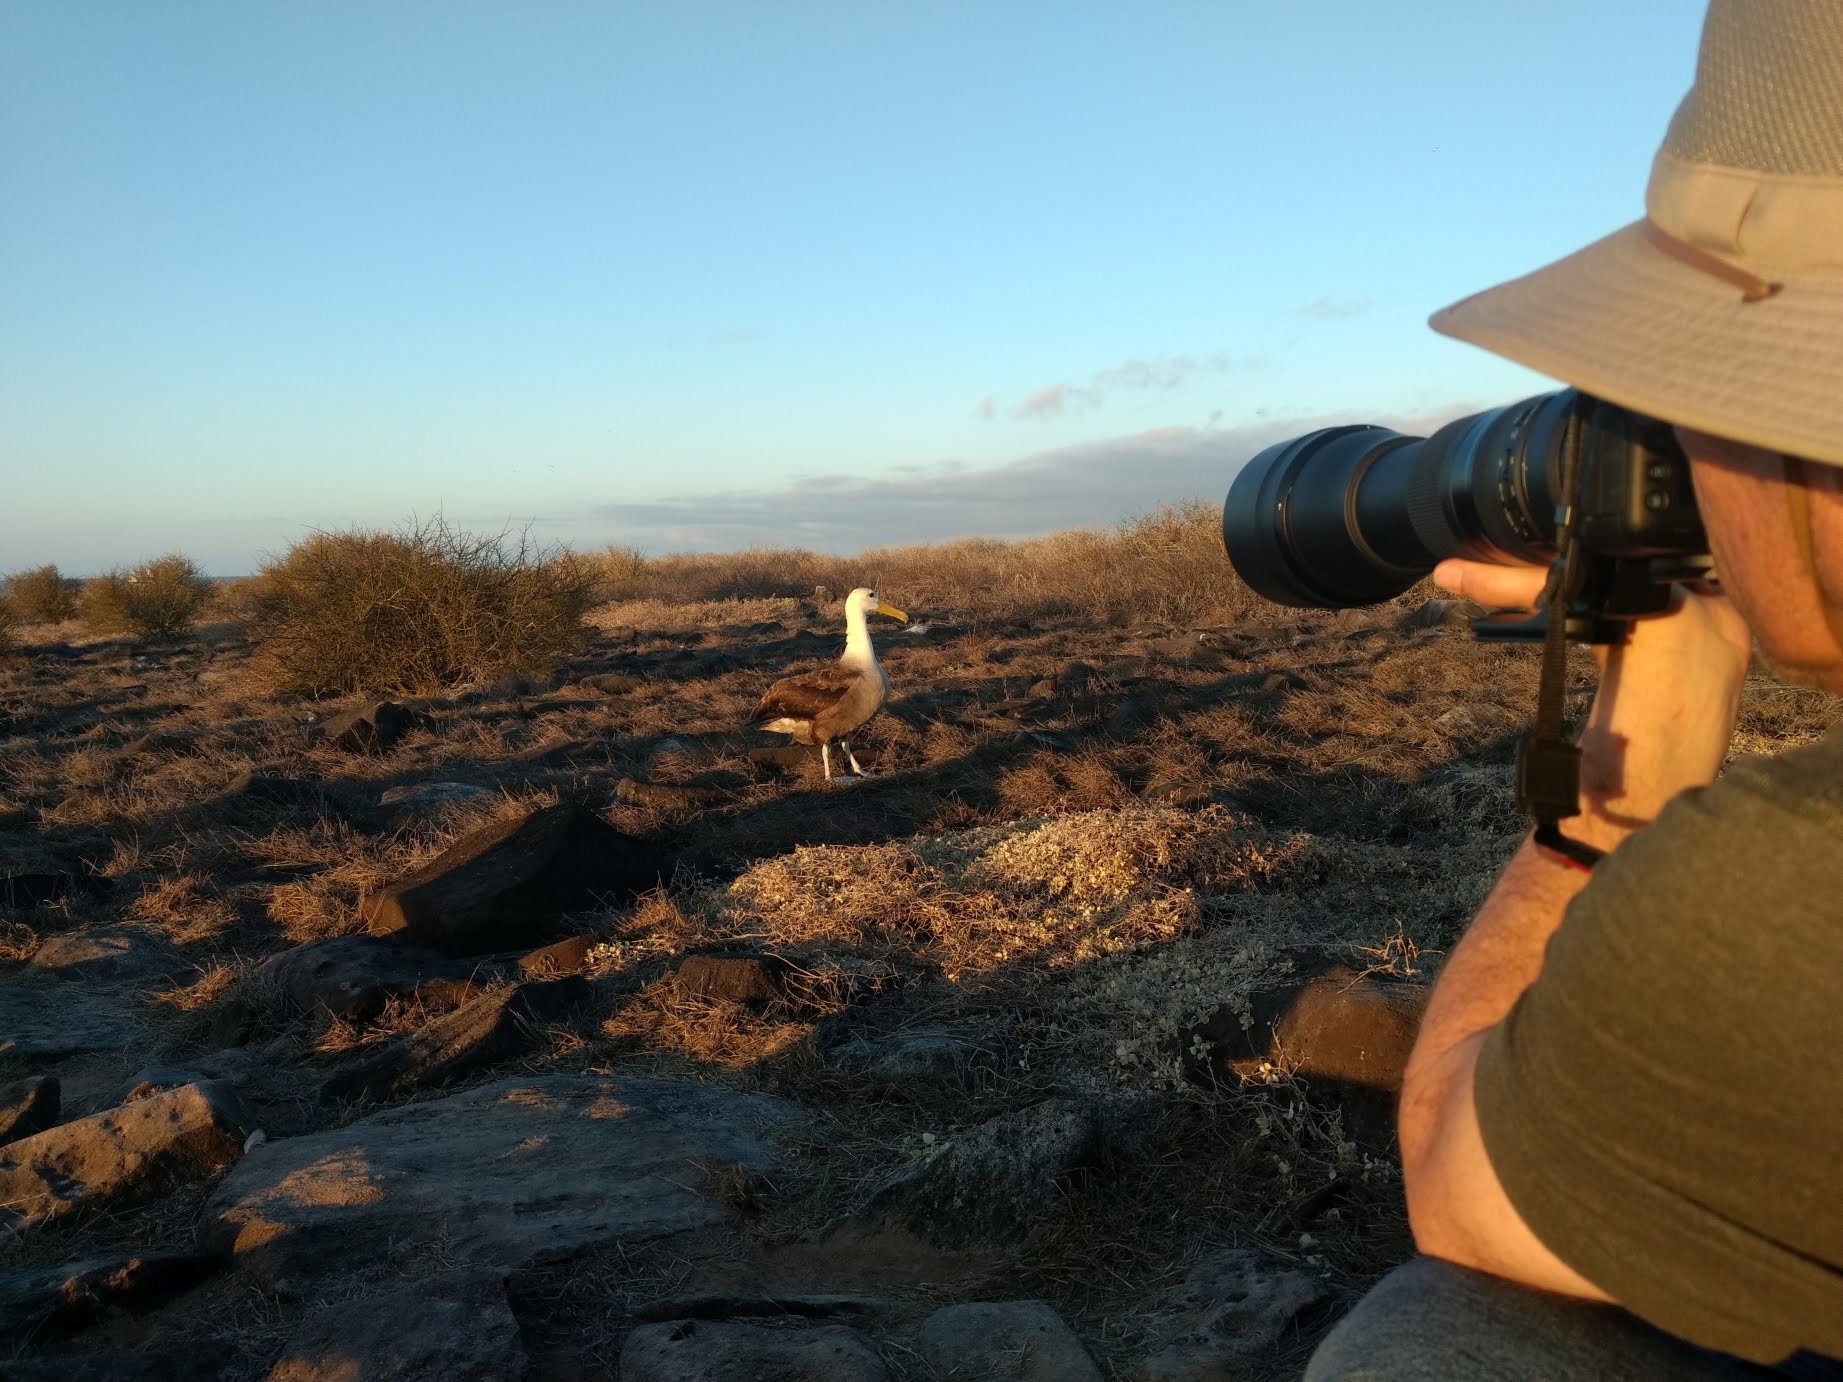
<point>1456,1206</point>
<point>1660,723</point>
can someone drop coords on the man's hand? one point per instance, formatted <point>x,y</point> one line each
<point>1667,702</point>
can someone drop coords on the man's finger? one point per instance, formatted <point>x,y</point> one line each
<point>1499,587</point>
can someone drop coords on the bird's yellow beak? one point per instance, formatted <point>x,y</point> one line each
<point>892,611</point>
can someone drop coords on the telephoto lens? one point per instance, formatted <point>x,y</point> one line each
<point>1355,515</point>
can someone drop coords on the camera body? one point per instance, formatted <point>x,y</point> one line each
<point>1350,516</point>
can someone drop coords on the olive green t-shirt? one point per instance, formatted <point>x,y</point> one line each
<point>1664,1105</point>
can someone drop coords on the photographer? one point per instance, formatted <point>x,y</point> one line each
<point>1622,1126</point>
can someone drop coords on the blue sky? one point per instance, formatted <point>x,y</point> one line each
<point>697,273</point>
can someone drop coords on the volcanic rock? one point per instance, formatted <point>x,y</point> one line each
<point>427,798</point>
<point>727,1351</point>
<point>38,1302</point>
<point>351,976</point>
<point>454,1327</point>
<point>496,1026</point>
<point>123,1154</point>
<point>736,978</point>
<point>1338,1025</point>
<point>505,1175</point>
<point>50,1020</point>
<point>1231,1310</point>
<point>992,1182</point>
<point>114,952</point>
<point>28,1106</point>
<point>613,683</point>
<point>1005,1341</point>
<point>370,728</point>
<point>567,956</point>
<point>501,886</point>
<point>903,1060</point>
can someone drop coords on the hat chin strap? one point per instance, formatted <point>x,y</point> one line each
<point>1753,287</point>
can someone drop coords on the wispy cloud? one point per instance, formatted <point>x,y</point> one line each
<point>1045,402</point>
<point>1071,487</point>
<point>1328,309</point>
<point>1161,372</point>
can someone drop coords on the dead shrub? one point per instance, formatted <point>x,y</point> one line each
<point>41,595</point>
<point>157,599</point>
<point>415,611</point>
<point>8,621</point>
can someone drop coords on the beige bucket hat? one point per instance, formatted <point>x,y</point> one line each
<point>1722,310</point>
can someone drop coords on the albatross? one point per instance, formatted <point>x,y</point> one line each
<point>833,702</point>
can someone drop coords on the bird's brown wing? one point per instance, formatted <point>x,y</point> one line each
<point>806,695</point>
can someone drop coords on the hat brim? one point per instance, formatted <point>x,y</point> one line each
<point>1626,322</point>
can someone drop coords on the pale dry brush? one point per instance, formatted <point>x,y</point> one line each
<point>41,595</point>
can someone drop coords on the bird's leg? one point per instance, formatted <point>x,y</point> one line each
<point>851,757</point>
<point>825,757</point>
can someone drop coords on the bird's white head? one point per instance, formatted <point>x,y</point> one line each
<point>863,601</point>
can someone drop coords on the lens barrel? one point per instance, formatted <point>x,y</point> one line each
<point>1355,515</point>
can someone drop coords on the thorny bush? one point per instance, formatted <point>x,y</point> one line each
<point>414,611</point>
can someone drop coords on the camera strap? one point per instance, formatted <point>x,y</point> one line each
<point>1548,762</point>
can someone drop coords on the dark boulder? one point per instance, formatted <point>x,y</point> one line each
<point>28,1106</point>
<point>1336,1025</point>
<point>507,1174</point>
<point>37,1303</point>
<point>373,728</point>
<point>453,1327</point>
<point>122,1154</point>
<point>730,1351</point>
<point>1005,1341</point>
<point>567,956</point>
<point>115,952</point>
<point>350,976</point>
<point>496,1026</point>
<point>505,884</point>
<point>992,1182</point>
<point>760,979</point>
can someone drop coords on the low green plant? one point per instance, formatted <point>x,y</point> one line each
<point>415,611</point>
<point>157,599</point>
<point>41,595</point>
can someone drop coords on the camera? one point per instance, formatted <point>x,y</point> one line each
<point>1355,515</point>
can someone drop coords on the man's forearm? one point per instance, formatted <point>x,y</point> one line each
<point>1651,732</point>
<point>1498,957</point>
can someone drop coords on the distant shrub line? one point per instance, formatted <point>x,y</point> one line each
<point>1166,566</point>
<point>426,607</point>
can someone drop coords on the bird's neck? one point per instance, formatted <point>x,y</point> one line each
<point>857,638</point>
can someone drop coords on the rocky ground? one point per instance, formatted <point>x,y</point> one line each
<point>554,1031</point>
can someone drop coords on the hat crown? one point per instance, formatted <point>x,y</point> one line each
<point>1768,94</point>
<point>1751,170</point>
<point>1723,309</point>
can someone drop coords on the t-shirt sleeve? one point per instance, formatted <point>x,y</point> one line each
<point>1664,1105</point>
